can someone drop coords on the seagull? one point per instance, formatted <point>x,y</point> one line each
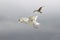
<point>39,10</point>
<point>31,20</point>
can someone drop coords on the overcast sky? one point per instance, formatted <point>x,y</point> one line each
<point>12,10</point>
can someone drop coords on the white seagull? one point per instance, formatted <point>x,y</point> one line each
<point>32,20</point>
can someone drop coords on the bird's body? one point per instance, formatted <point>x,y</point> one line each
<point>29,20</point>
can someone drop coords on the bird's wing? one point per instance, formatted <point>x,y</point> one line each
<point>31,17</point>
<point>25,19</point>
<point>40,8</point>
<point>35,18</point>
<point>36,25</point>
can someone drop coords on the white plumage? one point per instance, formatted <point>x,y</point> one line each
<point>32,20</point>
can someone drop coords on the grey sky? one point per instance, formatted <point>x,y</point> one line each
<point>12,10</point>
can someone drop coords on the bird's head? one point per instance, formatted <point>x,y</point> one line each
<point>20,20</point>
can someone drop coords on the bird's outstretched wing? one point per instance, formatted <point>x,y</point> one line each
<point>40,8</point>
<point>23,20</point>
<point>36,18</point>
<point>36,25</point>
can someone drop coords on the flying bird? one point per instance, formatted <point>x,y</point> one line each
<point>39,10</point>
<point>31,20</point>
